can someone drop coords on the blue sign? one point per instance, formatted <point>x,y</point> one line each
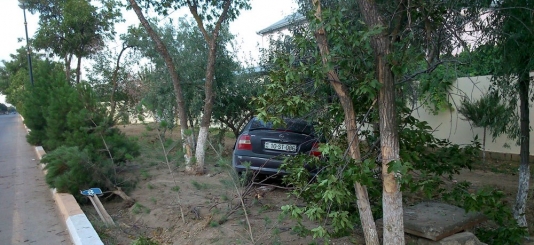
<point>92,192</point>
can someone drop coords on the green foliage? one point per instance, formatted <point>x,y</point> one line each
<point>329,194</point>
<point>115,82</point>
<point>70,170</point>
<point>435,87</point>
<point>233,106</point>
<point>199,186</point>
<point>14,76</point>
<point>187,44</point>
<point>208,11</point>
<point>75,118</point>
<point>142,240</point>
<point>481,61</point>
<point>138,208</point>
<point>33,100</point>
<point>73,27</point>
<point>298,83</point>
<point>83,146</point>
<point>299,87</point>
<point>489,112</point>
<point>490,202</point>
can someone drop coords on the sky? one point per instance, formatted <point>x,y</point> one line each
<point>262,14</point>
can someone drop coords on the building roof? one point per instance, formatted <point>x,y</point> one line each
<point>293,19</point>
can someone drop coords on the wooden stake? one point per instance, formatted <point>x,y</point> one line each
<point>106,218</point>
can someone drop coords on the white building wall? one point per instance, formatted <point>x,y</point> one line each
<point>450,124</point>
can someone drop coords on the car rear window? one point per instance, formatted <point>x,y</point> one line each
<point>293,125</point>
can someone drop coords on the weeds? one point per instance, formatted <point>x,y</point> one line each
<point>165,152</point>
<point>144,175</point>
<point>214,223</point>
<point>199,186</point>
<point>142,240</point>
<point>139,208</point>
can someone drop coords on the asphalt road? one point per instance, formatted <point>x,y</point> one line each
<point>28,213</point>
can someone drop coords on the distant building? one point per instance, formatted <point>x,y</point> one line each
<point>281,28</point>
<point>283,24</point>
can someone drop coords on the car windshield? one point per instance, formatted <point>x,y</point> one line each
<point>293,125</point>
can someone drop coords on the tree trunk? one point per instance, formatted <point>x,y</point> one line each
<point>187,137</point>
<point>202,138</point>
<point>129,201</point>
<point>68,58</point>
<point>524,168</point>
<point>364,207</point>
<point>389,139</point>
<point>484,147</point>
<point>114,84</point>
<point>200,151</point>
<point>78,70</point>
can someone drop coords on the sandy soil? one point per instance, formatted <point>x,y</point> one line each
<point>204,201</point>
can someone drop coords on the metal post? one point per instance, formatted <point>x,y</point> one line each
<point>22,4</point>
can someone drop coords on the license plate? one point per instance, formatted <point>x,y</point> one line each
<point>280,147</point>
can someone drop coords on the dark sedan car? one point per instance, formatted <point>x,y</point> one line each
<point>262,147</point>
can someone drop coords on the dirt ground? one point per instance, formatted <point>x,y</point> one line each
<point>210,205</point>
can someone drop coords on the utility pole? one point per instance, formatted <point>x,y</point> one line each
<point>22,4</point>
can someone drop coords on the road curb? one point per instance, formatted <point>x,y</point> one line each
<point>80,228</point>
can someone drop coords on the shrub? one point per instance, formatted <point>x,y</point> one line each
<point>69,170</point>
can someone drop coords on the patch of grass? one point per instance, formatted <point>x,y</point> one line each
<point>149,186</point>
<point>276,236</point>
<point>103,230</point>
<point>267,221</point>
<point>153,200</point>
<point>214,223</point>
<point>199,186</point>
<point>225,197</point>
<point>498,166</point>
<point>144,175</point>
<point>264,208</point>
<point>227,183</point>
<point>229,135</point>
<point>139,208</point>
<point>142,240</point>
<point>175,188</point>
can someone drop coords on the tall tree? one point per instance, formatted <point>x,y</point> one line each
<point>210,32</point>
<point>342,91</point>
<point>161,47</point>
<point>113,79</point>
<point>509,28</point>
<point>74,28</point>
<point>389,139</point>
<point>14,75</point>
<point>210,17</point>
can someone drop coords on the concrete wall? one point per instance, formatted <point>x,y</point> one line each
<point>450,124</point>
